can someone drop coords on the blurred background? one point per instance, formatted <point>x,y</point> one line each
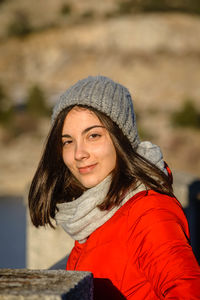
<point>150,46</point>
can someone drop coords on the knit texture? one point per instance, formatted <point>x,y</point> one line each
<point>107,96</point>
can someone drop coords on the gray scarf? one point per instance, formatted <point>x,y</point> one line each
<point>81,217</point>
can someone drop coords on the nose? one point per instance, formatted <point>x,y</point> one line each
<point>81,151</point>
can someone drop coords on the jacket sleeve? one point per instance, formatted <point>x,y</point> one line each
<point>164,254</point>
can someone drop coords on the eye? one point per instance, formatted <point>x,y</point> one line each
<point>66,142</point>
<point>94,136</point>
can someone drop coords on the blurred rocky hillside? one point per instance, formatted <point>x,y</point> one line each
<point>155,54</point>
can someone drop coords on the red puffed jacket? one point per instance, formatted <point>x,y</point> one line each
<point>141,253</point>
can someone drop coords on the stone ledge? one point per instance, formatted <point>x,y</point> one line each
<point>45,284</point>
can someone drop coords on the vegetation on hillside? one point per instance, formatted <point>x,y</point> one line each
<point>6,109</point>
<point>36,105</point>
<point>23,118</point>
<point>187,116</point>
<point>20,24</point>
<point>132,6</point>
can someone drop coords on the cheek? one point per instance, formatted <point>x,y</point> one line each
<point>108,155</point>
<point>113,158</point>
<point>67,158</point>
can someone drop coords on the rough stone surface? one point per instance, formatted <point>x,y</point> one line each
<point>45,284</point>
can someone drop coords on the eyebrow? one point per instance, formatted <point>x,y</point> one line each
<point>85,130</point>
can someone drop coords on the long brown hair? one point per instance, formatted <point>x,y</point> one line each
<point>53,182</point>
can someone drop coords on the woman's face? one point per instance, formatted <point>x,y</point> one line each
<point>88,150</point>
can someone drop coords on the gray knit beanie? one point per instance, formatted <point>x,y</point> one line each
<point>107,96</point>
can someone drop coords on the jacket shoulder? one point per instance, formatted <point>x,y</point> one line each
<point>153,207</point>
<point>148,200</point>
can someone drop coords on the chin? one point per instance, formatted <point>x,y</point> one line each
<point>90,184</point>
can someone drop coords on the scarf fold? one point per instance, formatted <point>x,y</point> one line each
<point>81,217</point>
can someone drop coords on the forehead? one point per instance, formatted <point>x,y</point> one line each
<point>80,117</point>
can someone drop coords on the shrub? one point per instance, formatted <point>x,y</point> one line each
<point>132,6</point>
<point>19,26</point>
<point>187,116</point>
<point>36,102</point>
<point>6,109</point>
<point>66,9</point>
<point>125,7</point>
<point>88,14</point>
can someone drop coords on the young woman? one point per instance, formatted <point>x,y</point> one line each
<point>113,194</point>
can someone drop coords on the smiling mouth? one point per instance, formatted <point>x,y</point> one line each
<point>87,169</point>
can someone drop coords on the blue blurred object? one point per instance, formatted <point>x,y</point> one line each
<point>12,232</point>
<point>193,216</point>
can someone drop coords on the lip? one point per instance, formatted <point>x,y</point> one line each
<point>86,169</point>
